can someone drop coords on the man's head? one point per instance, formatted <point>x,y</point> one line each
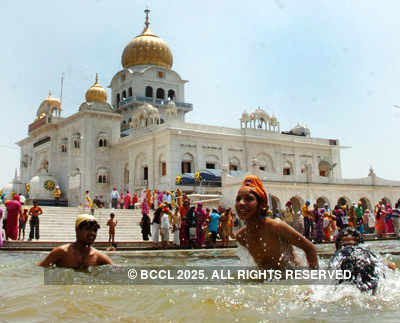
<point>35,202</point>
<point>112,215</point>
<point>348,237</point>
<point>86,227</point>
<point>308,203</point>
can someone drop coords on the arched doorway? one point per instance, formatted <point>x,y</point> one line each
<point>275,203</point>
<point>366,204</point>
<point>126,176</point>
<point>297,203</point>
<point>343,201</point>
<point>321,201</point>
<point>386,200</point>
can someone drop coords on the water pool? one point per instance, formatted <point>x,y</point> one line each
<point>24,297</point>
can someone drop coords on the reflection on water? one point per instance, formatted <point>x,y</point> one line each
<point>24,297</point>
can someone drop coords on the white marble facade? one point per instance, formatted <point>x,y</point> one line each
<point>141,140</point>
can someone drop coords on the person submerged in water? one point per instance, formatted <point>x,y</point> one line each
<point>79,254</point>
<point>365,266</point>
<point>270,242</point>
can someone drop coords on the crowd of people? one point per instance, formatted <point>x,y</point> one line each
<point>269,241</point>
<point>323,224</point>
<point>192,225</point>
<point>13,221</point>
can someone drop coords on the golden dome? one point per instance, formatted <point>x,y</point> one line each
<point>96,92</point>
<point>147,48</point>
<point>51,101</point>
<point>48,105</point>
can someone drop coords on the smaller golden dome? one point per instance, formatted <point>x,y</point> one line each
<point>51,101</point>
<point>96,93</point>
<point>48,105</point>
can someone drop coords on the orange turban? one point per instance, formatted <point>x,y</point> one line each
<point>254,184</point>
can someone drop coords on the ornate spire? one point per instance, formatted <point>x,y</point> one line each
<point>49,93</point>
<point>147,22</point>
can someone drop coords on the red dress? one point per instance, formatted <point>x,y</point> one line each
<point>13,208</point>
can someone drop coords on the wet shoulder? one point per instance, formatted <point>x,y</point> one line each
<point>241,236</point>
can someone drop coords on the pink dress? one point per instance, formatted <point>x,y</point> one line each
<point>127,201</point>
<point>13,208</point>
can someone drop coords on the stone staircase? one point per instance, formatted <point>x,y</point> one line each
<point>58,224</point>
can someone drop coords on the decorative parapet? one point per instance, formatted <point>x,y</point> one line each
<point>37,124</point>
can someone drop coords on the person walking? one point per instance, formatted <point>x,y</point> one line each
<point>114,198</point>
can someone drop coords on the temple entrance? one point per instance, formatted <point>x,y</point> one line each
<point>321,201</point>
<point>297,202</point>
<point>366,204</point>
<point>275,203</point>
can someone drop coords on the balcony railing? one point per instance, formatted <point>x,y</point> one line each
<point>150,100</point>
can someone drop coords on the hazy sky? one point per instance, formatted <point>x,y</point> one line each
<point>332,65</point>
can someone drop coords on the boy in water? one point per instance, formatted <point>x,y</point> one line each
<point>363,263</point>
<point>79,254</point>
<point>270,242</point>
<point>112,223</point>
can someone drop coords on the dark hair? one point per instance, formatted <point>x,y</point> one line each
<point>88,224</point>
<point>348,231</point>
<point>34,201</point>
<point>114,245</point>
<point>112,214</point>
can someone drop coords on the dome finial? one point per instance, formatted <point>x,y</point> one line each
<point>49,93</point>
<point>97,78</point>
<point>147,22</point>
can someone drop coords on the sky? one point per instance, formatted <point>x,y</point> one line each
<point>331,65</point>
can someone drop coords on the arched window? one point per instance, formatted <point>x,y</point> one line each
<point>63,148</point>
<point>102,176</point>
<point>130,92</point>
<point>118,98</point>
<point>171,94</point>
<point>287,169</point>
<point>149,92</point>
<point>324,168</point>
<point>124,94</point>
<point>101,143</point>
<point>77,144</point>
<point>160,93</point>
<point>104,142</point>
<point>187,163</point>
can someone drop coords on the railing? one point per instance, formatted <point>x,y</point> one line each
<point>150,100</point>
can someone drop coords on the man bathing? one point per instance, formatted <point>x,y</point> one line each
<point>270,242</point>
<point>79,254</point>
<point>366,268</point>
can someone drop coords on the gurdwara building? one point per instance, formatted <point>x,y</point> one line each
<point>138,138</point>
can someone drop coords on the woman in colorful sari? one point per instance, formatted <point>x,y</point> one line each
<point>14,209</point>
<point>319,228</point>
<point>388,219</point>
<point>380,219</point>
<point>200,215</point>
<point>127,200</point>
